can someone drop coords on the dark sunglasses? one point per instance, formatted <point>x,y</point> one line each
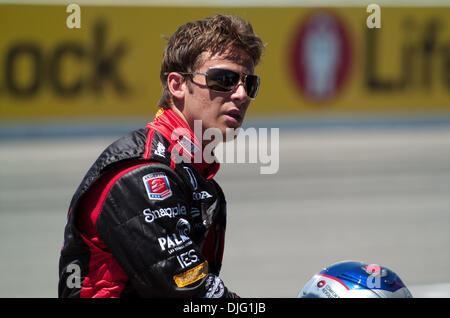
<point>223,80</point>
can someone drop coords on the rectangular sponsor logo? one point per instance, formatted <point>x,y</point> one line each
<point>157,186</point>
<point>192,275</point>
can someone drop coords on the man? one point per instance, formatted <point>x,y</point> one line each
<point>148,220</point>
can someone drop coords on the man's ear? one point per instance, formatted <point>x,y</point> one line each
<point>176,85</point>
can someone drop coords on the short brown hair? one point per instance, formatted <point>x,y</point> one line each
<point>215,35</point>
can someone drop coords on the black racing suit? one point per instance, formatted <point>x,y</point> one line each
<point>147,220</point>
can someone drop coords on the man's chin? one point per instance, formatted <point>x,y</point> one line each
<point>222,133</point>
<point>231,133</point>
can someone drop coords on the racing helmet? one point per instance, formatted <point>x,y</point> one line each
<point>351,279</point>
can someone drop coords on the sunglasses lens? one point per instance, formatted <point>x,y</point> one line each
<point>226,80</point>
<point>252,85</point>
<point>222,80</point>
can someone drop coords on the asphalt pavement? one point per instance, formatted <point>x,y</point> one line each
<point>374,195</point>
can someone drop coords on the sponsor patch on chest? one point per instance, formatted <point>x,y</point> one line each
<point>157,186</point>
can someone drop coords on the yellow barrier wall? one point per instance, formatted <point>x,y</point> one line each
<point>323,60</point>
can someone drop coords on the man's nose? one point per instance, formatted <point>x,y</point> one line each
<point>239,92</point>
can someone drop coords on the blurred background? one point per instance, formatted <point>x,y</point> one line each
<point>363,113</point>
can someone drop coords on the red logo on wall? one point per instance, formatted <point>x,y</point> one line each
<point>321,56</point>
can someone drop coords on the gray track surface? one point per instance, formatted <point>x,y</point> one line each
<point>379,196</point>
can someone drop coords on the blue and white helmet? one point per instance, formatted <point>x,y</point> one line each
<point>352,279</point>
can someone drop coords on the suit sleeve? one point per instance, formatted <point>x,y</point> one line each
<point>145,222</point>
